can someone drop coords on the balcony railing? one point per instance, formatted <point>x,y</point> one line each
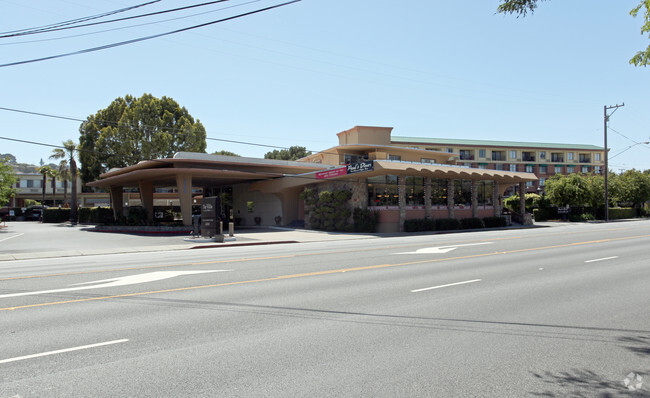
<point>466,157</point>
<point>498,157</point>
<point>528,158</point>
<point>557,159</point>
<point>585,160</point>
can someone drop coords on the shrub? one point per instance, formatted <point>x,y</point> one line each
<point>365,220</point>
<point>418,224</point>
<point>544,214</point>
<point>472,223</point>
<point>55,215</point>
<point>447,224</point>
<point>621,212</point>
<point>494,222</point>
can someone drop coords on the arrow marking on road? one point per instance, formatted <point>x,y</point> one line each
<point>442,249</point>
<point>113,282</point>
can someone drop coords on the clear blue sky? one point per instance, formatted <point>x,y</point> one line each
<point>299,74</point>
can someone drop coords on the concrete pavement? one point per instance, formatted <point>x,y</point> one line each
<point>33,240</point>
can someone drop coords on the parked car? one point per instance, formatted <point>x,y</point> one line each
<point>33,213</point>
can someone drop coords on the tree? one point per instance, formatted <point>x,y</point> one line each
<point>631,187</point>
<point>522,7</point>
<point>47,172</point>
<point>7,181</point>
<point>293,153</point>
<point>134,129</point>
<point>8,157</point>
<point>67,154</point>
<point>225,153</point>
<point>567,190</point>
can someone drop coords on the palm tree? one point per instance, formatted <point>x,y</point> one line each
<point>64,175</point>
<point>47,172</point>
<point>68,151</point>
<point>54,176</point>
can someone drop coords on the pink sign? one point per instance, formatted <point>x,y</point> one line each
<point>341,171</point>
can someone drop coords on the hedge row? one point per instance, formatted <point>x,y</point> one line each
<point>450,224</point>
<point>86,215</point>
<point>583,214</point>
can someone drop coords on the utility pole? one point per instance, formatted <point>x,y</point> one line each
<point>605,108</point>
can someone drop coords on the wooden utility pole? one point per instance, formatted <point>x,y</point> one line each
<point>606,116</point>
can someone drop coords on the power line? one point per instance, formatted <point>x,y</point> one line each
<point>122,43</point>
<point>55,29</point>
<point>130,26</point>
<point>78,20</point>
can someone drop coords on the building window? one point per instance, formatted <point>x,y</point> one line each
<point>394,157</point>
<point>597,169</point>
<point>529,169</point>
<point>351,158</point>
<point>499,156</point>
<point>414,190</point>
<point>481,153</point>
<point>450,150</point>
<point>482,166</point>
<point>513,154</point>
<point>466,155</point>
<point>463,192</point>
<point>484,192</point>
<point>425,160</point>
<point>597,157</point>
<point>383,191</point>
<point>542,154</point>
<point>438,192</point>
<point>543,169</point>
<point>529,184</point>
<point>569,156</point>
<point>542,182</point>
<point>498,166</point>
<point>585,169</point>
<point>513,167</point>
<point>558,169</point>
<point>570,170</point>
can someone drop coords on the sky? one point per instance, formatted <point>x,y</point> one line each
<point>301,73</point>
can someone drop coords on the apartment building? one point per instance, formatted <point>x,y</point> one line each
<point>542,159</point>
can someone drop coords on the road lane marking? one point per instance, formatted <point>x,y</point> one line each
<point>447,285</point>
<point>443,249</point>
<point>11,237</point>
<point>43,354</point>
<point>601,259</point>
<point>327,272</point>
<point>114,282</point>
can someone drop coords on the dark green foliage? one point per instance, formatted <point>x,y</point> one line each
<point>494,222</point>
<point>365,220</point>
<point>471,223</point>
<point>136,216</point>
<point>447,224</point>
<point>96,215</point>
<point>293,153</point>
<point>621,213</point>
<point>55,215</point>
<point>329,211</point>
<point>419,224</point>
<point>549,213</point>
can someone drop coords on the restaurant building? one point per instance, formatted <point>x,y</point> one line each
<point>399,182</point>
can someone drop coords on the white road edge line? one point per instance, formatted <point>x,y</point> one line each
<point>450,284</point>
<point>83,347</point>
<point>15,236</point>
<point>601,259</point>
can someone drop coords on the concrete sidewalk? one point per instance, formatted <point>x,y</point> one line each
<point>33,240</point>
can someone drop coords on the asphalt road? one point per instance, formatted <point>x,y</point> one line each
<point>551,312</point>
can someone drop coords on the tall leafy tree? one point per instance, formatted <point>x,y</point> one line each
<point>68,155</point>
<point>631,187</point>
<point>567,190</point>
<point>133,129</point>
<point>523,7</point>
<point>7,181</point>
<point>293,153</point>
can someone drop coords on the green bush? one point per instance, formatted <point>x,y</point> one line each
<point>95,215</point>
<point>136,216</point>
<point>418,224</point>
<point>494,222</point>
<point>545,214</point>
<point>328,210</point>
<point>618,213</point>
<point>447,224</point>
<point>471,223</point>
<point>365,220</point>
<point>56,215</point>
